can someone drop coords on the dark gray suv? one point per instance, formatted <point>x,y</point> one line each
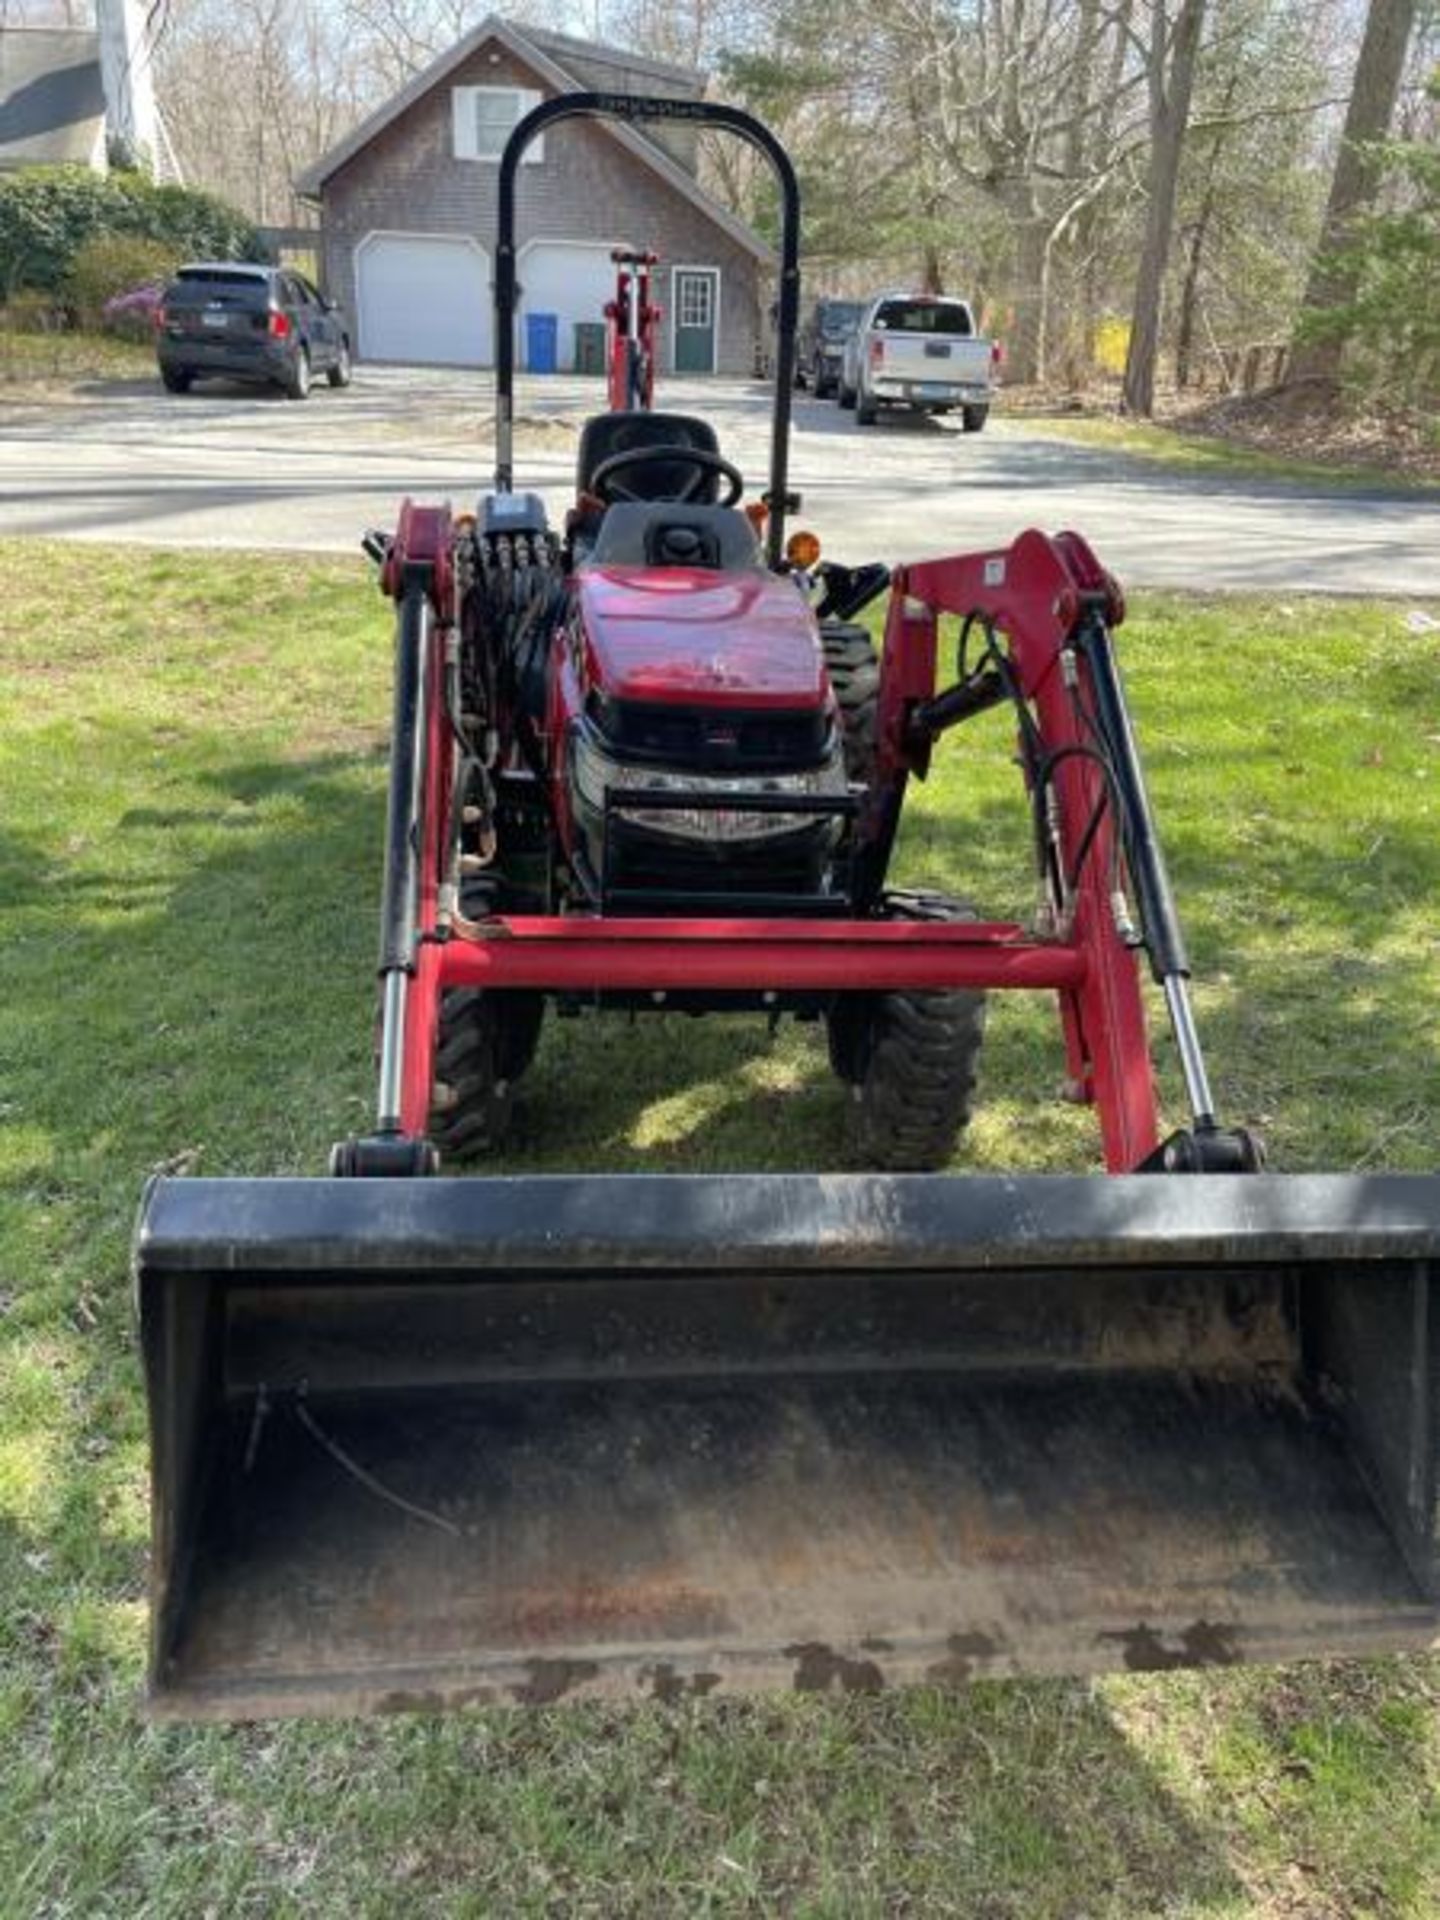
<point>820,344</point>
<point>243,322</point>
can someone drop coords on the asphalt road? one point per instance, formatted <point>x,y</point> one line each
<point>224,466</point>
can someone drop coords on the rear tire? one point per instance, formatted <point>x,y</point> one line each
<point>297,381</point>
<point>854,669</point>
<point>341,374</point>
<point>487,1040</point>
<point>844,395</point>
<point>910,1059</point>
<point>865,412</point>
<point>974,418</point>
<point>175,379</point>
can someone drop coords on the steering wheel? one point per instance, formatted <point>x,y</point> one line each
<point>604,485</point>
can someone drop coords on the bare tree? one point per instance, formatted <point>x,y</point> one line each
<point>1170,70</point>
<point>1332,283</point>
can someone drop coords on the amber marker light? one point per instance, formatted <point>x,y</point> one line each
<point>802,550</point>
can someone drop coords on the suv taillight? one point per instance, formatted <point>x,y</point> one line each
<point>877,352</point>
<point>997,354</point>
<point>278,326</point>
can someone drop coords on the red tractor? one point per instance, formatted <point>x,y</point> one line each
<point>631,320</point>
<point>424,1441</point>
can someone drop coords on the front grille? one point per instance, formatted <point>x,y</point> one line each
<point>792,865</point>
<point>720,740</point>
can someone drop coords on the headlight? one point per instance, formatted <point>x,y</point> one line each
<point>595,772</point>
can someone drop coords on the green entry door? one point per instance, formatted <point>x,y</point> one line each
<point>697,302</point>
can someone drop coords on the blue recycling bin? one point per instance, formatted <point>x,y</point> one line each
<point>542,339</point>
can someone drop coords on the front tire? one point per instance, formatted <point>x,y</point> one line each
<point>343,371</point>
<point>487,1040</point>
<point>910,1059</point>
<point>974,418</point>
<point>854,669</point>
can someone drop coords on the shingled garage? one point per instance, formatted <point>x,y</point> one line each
<point>408,202</point>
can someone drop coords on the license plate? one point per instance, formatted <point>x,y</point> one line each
<point>931,390</point>
<point>214,319</point>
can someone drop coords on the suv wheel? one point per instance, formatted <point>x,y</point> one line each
<point>297,382</point>
<point>342,372</point>
<point>974,418</point>
<point>865,411</point>
<point>845,396</point>
<point>175,379</point>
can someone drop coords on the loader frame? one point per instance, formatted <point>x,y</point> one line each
<point>1047,608</point>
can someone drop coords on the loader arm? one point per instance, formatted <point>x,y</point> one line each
<point>1046,609</point>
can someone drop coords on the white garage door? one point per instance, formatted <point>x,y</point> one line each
<point>423,298</point>
<point>572,279</point>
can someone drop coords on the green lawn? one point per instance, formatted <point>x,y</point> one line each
<point>1174,446</point>
<point>191,759</point>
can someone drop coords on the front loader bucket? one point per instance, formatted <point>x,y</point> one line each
<point>428,1442</point>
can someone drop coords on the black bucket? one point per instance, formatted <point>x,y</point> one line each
<point>418,1443</point>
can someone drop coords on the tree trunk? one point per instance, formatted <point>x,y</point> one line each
<point>1022,340</point>
<point>1172,79</point>
<point>1352,186</point>
<point>1190,289</point>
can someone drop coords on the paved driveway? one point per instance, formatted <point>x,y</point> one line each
<point>229,467</point>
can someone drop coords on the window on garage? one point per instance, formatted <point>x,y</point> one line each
<point>485,117</point>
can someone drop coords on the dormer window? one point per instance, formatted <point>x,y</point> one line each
<point>485,117</point>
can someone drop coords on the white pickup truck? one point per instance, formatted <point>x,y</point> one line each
<point>919,351</point>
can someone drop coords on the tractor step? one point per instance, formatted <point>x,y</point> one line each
<point>427,1442</point>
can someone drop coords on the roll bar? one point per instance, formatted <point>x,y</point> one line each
<point>628,106</point>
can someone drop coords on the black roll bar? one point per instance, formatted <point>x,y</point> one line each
<point>629,106</point>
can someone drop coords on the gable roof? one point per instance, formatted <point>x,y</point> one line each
<point>531,51</point>
<point>565,46</point>
<point>52,102</point>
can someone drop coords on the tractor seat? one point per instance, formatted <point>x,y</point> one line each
<point>665,533</point>
<point>611,433</point>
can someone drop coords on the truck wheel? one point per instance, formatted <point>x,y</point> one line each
<point>843,394</point>
<point>865,411</point>
<point>910,1059</point>
<point>175,379</point>
<point>487,1040</point>
<point>854,669</point>
<point>974,418</point>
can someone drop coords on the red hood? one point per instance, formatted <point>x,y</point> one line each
<point>689,635</point>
